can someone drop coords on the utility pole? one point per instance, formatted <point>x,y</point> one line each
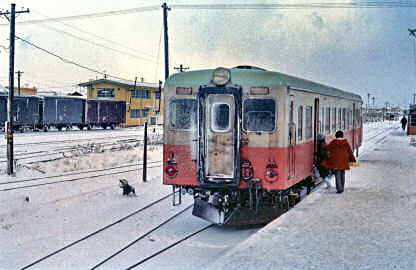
<point>373,101</point>
<point>10,102</point>
<point>165,27</point>
<point>19,73</point>
<point>160,94</point>
<point>181,68</point>
<point>414,98</point>
<point>412,34</point>
<point>368,100</point>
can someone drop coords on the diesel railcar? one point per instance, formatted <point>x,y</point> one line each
<point>243,141</point>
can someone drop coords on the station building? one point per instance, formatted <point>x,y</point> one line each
<point>143,100</point>
<point>24,90</point>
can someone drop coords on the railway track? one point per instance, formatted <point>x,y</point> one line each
<point>106,173</point>
<point>96,232</point>
<point>376,139</point>
<point>75,151</point>
<point>73,140</point>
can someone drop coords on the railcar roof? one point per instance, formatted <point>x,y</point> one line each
<point>255,77</point>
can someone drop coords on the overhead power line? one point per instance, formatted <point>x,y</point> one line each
<point>94,43</point>
<point>94,35</point>
<point>93,15</point>
<point>323,5</point>
<point>69,61</point>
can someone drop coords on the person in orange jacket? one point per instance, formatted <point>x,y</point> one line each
<point>340,155</point>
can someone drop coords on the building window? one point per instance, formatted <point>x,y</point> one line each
<point>140,94</point>
<point>300,122</point>
<point>134,113</point>
<point>135,93</point>
<point>145,113</point>
<point>105,92</point>
<point>308,121</point>
<point>157,95</point>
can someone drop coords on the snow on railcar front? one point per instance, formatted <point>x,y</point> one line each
<point>230,140</point>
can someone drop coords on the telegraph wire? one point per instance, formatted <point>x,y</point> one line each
<point>69,61</point>
<point>319,5</point>
<point>158,52</point>
<point>95,35</point>
<point>94,43</point>
<point>94,15</point>
<point>322,5</point>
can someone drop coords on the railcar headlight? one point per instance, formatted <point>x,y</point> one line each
<point>221,76</point>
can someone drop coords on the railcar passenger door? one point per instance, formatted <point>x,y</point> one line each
<point>354,119</point>
<point>316,128</point>
<point>292,140</point>
<point>220,138</point>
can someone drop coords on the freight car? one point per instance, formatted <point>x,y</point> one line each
<point>243,141</point>
<point>105,113</point>
<point>45,112</point>
<point>59,112</point>
<point>25,112</point>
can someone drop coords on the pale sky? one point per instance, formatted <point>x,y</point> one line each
<point>358,50</point>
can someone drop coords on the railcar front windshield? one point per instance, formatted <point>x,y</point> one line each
<point>183,114</point>
<point>259,115</point>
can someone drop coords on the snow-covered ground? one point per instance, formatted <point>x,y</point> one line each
<point>369,226</point>
<point>323,231</point>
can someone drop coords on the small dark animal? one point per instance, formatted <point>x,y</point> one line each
<point>127,189</point>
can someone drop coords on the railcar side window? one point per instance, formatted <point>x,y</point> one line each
<point>220,117</point>
<point>327,119</point>
<point>343,119</point>
<point>347,123</point>
<point>308,121</point>
<point>183,114</point>
<point>339,118</point>
<point>259,114</point>
<point>334,119</point>
<point>300,122</point>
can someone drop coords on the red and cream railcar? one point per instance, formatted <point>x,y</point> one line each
<point>242,141</point>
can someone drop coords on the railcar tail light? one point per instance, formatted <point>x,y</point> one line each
<point>247,171</point>
<point>171,171</point>
<point>221,76</point>
<point>272,174</point>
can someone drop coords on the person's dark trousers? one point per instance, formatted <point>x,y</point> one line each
<point>340,180</point>
<point>403,127</point>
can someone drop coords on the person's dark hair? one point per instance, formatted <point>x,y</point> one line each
<point>339,134</point>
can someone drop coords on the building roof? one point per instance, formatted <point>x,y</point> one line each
<point>256,77</point>
<point>120,82</point>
